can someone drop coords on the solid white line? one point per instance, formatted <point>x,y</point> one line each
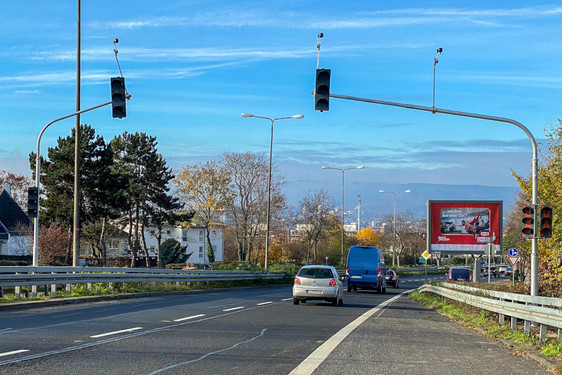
<point>14,352</point>
<point>233,308</point>
<point>286,299</point>
<point>5,330</point>
<point>116,332</point>
<point>264,303</point>
<point>318,356</point>
<point>189,317</point>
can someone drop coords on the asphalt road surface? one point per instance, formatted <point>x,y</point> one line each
<point>248,331</point>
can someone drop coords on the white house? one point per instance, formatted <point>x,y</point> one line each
<point>192,237</point>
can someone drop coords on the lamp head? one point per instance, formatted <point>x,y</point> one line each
<point>297,116</point>
<point>408,191</point>
<point>381,191</point>
<point>247,115</point>
<point>360,167</point>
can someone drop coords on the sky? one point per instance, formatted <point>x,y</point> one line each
<point>192,68</point>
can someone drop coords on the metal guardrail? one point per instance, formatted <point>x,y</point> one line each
<point>531,309</point>
<point>42,276</point>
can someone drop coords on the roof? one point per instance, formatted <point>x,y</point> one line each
<point>11,214</point>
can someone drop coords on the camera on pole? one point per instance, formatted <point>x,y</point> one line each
<point>528,229</point>
<point>32,201</point>
<point>322,90</point>
<point>118,97</point>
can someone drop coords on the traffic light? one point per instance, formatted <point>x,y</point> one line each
<point>118,97</point>
<point>528,229</point>
<point>546,221</point>
<point>322,90</point>
<point>32,201</point>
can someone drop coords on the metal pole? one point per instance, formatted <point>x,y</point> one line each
<point>268,197</point>
<point>394,234</point>
<point>534,161</point>
<point>76,218</point>
<point>38,179</point>
<point>342,216</point>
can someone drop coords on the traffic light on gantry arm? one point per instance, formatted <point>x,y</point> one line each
<point>32,201</point>
<point>322,90</point>
<point>118,97</point>
<point>528,229</point>
<point>546,221</point>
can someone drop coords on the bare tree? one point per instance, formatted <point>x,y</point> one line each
<point>18,184</point>
<point>314,218</point>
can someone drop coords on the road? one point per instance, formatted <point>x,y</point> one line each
<point>245,331</point>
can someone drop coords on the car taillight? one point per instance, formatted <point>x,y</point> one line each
<point>332,282</point>
<point>297,281</point>
<point>378,273</point>
<point>347,271</point>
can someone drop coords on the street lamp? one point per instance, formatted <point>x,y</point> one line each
<point>269,175</point>
<point>394,224</point>
<point>342,212</point>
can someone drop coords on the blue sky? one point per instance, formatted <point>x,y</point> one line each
<point>193,67</point>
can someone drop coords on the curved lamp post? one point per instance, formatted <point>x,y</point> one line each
<point>394,224</point>
<point>342,195</point>
<point>269,175</point>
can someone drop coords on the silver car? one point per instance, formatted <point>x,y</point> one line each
<point>316,282</point>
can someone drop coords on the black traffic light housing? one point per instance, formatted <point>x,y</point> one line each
<point>546,221</point>
<point>322,90</point>
<point>32,201</point>
<point>118,97</point>
<point>528,229</point>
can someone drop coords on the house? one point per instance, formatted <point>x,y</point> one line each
<point>193,237</point>
<point>15,226</point>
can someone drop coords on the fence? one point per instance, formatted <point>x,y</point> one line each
<point>544,311</point>
<point>19,277</point>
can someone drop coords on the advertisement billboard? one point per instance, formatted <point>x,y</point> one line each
<point>464,227</point>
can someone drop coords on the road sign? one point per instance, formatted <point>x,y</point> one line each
<point>513,252</point>
<point>513,260</point>
<point>421,260</point>
<point>425,254</point>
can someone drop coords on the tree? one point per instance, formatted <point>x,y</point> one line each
<point>203,189</point>
<point>246,201</point>
<point>173,252</point>
<point>146,178</point>
<point>18,184</point>
<point>313,217</point>
<point>368,237</point>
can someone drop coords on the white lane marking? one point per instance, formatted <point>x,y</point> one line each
<point>318,356</point>
<point>111,339</point>
<point>189,317</point>
<point>233,308</point>
<point>14,352</point>
<point>116,332</point>
<point>265,303</point>
<point>5,330</point>
<point>286,299</point>
<point>210,354</point>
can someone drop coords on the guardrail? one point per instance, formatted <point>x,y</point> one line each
<point>544,311</point>
<point>18,277</point>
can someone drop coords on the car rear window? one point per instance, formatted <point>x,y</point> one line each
<point>316,273</point>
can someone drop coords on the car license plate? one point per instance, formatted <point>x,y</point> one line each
<point>314,292</point>
<point>356,276</point>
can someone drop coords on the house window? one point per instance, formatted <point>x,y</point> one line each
<point>201,252</point>
<point>201,236</point>
<point>168,231</point>
<point>184,235</point>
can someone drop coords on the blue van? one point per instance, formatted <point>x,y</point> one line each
<point>365,269</point>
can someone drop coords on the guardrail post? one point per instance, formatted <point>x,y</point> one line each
<point>527,327</point>
<point>89,286</point>
<point>111,287</point>
<point>513,323</point>
<point>68,288</point>
<point>53,290</point>
<point>33,291</point>
<point>559,334</point>
<point>543,331</point>
<point>501,319</point>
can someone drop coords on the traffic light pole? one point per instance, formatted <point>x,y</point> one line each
<point>534,162</point>
<point>38,179</point>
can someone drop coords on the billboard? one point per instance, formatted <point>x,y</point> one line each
<point>464,227</point>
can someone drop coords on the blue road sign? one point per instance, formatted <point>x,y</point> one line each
<point>513,252</point>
